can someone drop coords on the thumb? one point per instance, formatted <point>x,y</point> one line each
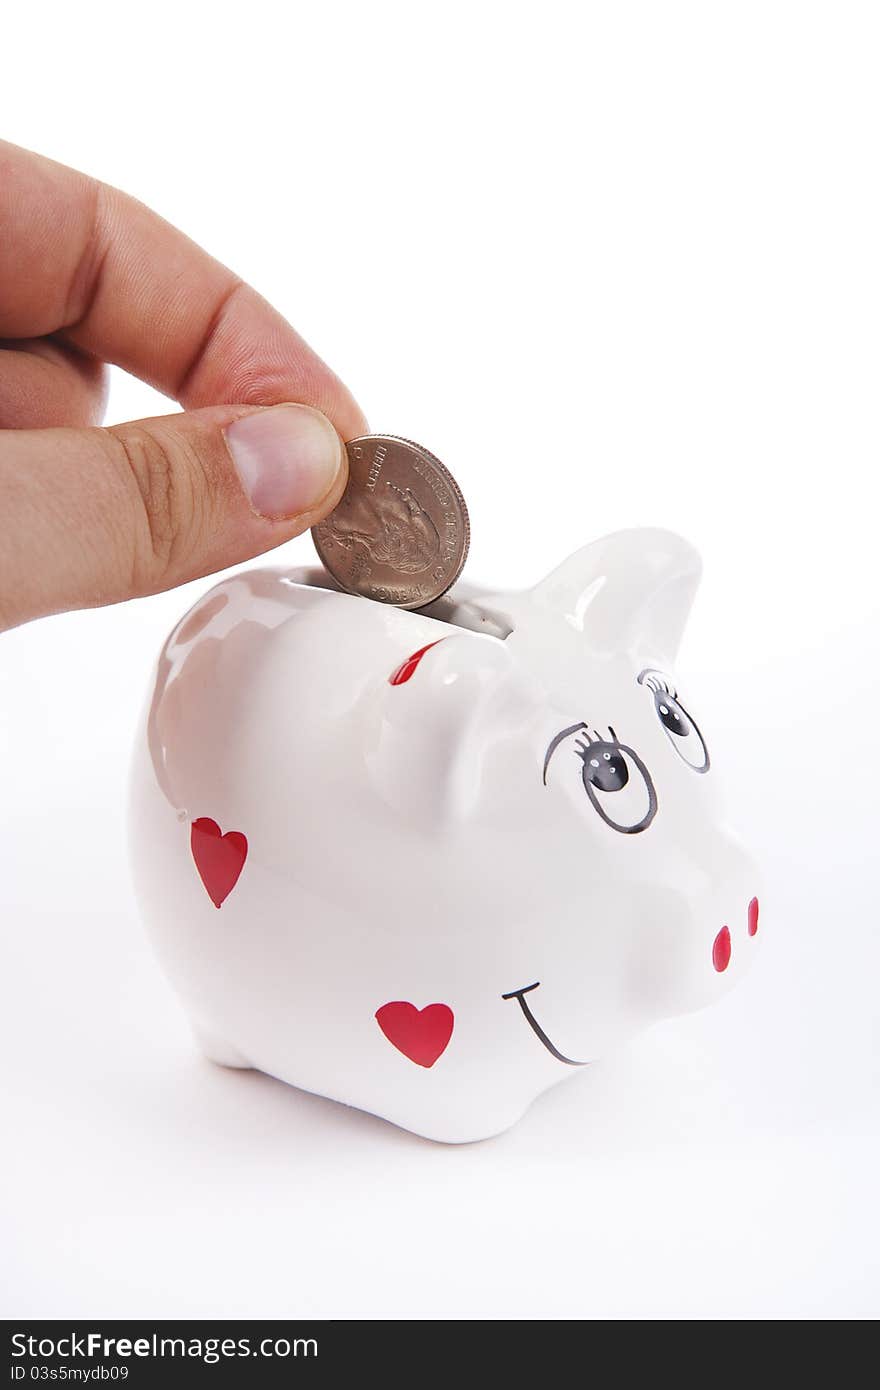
<point>92,516</point>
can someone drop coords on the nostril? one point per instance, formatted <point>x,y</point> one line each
<point>721,950</point>
<point>753,917</point>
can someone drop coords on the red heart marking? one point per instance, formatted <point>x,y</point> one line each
<point>422,1035</point>
<point>218,858</point>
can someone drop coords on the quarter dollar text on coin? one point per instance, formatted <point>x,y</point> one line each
<point>400,532</point>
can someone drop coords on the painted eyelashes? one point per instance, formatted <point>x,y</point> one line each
<point>681,727</point>
<point>610,768</point>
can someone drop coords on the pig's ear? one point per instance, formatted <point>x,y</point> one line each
<point>433,725</point>
<point>630,590</point>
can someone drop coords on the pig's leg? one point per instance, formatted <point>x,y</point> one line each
<point>216,1050</point>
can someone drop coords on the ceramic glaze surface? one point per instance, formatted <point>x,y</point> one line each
<point>429,864</point>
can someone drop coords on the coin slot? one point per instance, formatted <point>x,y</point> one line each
<point>313,578</point>
<point>470,615</point>
<point>465,613</point>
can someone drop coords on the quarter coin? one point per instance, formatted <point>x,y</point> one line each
<point>400,532</point>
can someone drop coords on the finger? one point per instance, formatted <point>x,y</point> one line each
<point>93,516</point>
<point>43,383</point>
<point>85,261</point>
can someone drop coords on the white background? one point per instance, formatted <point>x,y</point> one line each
<point>615,265</point>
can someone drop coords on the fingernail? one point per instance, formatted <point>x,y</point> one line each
<point>287,457</point>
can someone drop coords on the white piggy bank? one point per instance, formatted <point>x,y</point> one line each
<point>429,864</point>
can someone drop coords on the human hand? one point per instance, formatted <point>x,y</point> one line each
<point>89,516</point>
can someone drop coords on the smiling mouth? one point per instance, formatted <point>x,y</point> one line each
<point>519,995</point>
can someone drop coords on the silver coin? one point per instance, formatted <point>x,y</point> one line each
<point>400,532</point>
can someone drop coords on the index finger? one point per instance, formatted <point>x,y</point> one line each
<point>87,263</point>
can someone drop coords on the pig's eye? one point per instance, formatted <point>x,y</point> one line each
<point>604,766</point>
<point>682,729</point>
<point>614,777</point>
